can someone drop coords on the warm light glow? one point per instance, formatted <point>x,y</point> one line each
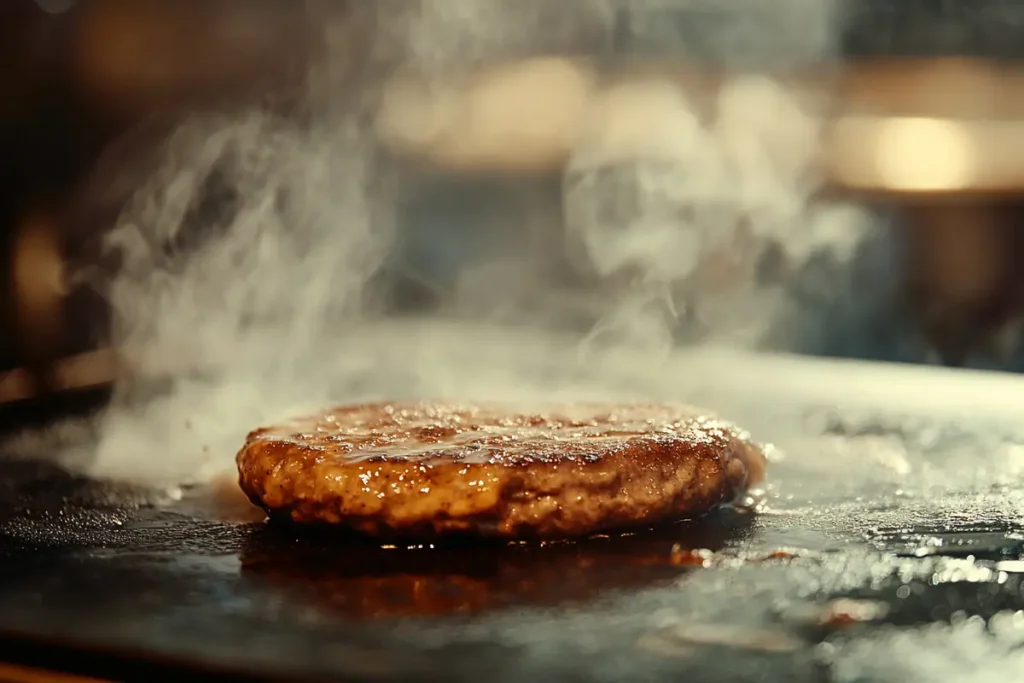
<point>924,154</point>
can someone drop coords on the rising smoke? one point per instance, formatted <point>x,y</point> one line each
<point>671,211</point>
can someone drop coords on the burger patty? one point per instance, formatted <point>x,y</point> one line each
<point>435,468</point>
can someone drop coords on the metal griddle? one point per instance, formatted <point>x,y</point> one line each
<point>913,503</point>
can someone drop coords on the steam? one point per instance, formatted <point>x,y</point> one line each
<point>701,208</point>
<point>252,239</point>
<point>249,256</point>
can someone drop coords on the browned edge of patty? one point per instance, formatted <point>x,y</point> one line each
<point>353,467</point>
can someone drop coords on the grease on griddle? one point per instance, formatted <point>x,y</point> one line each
<point>353,575</point>
<point>702,557</point>
<point>43,505</point>
<point>230,505</point>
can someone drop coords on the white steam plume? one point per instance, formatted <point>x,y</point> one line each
<point>263,307</point>
<point>283,257</point>
<point>678,212</point>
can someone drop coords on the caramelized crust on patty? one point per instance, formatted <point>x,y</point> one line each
<point>432,468</point>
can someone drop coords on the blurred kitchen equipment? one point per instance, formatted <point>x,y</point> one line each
<point>942,139</point>
<point>930,136</point>
<point>935,138</point>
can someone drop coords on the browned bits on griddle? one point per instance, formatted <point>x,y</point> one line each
<point>779,555</point>
<point>433,468</point>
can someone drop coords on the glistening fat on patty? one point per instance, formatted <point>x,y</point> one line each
<point>437,468</point>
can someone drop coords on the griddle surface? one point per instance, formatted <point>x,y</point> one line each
<point>910,493</point>
<point>863,509</point>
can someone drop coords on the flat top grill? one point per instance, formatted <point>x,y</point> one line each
<point>915,517</point>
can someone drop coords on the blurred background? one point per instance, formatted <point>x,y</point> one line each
<point>922,143</point>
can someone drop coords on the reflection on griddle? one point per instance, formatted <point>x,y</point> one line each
<point>358,578</point>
